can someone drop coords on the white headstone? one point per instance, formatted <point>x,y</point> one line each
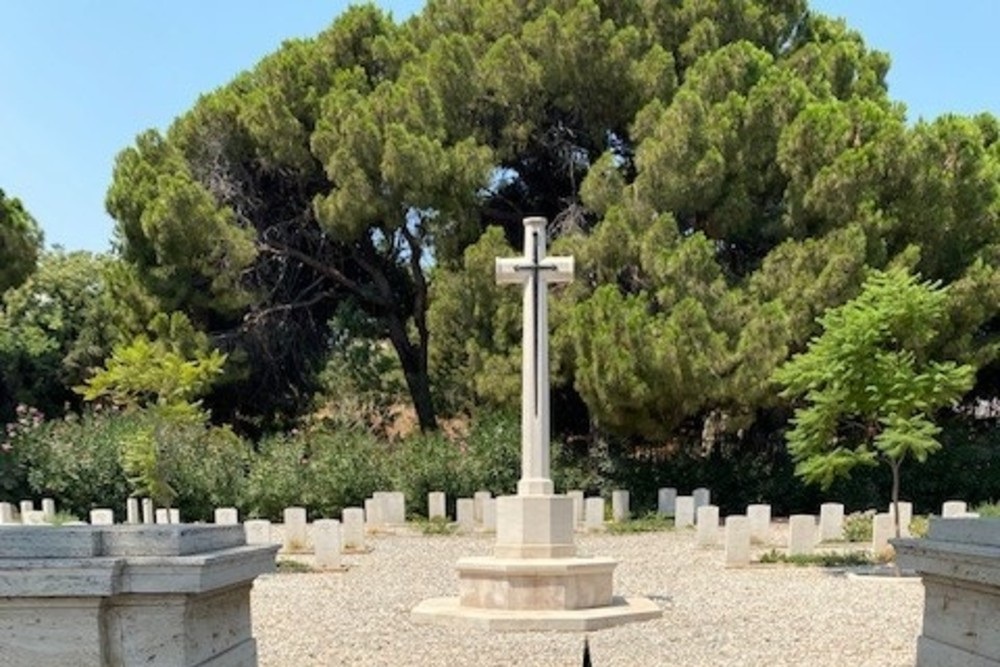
<point>102,517</point>
<point>175,515</point>
<point>954,508</point>
<point>737,541</point>
<point>391,507</point>
<point>27,506</point>
<point>465,514</point>
<point>708,526</point>
<point>6,513</point>
<point>594,512</point>
<point>702,497</point>
<point>831,522</point>
<point>353,528</point>
<point>905,517</point>
<point>801,534</point>
<point>372,517</point>
<point>759,518</point>
<point>882,531</point>
<point>148,511</point>
<point>666,501</point>
<point>296,538</point>
<point>132,513</point>
<point>33,518</point>
<point>577,497</point>
<point>619,505</point>
<point>490,514</point>
<point>535,271</point>
<point>479,499</point>
<point>684,512</point>
<point>49,508</point>
<point>227,516</point>
<point>437,505</point>
<point>258,531</point>
<point>162,515</point>
<point>326,543</point>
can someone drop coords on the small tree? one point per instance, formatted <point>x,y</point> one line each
<point>163,375</point>
<point>870,384</point>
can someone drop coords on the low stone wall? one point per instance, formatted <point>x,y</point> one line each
<point>959,563</point>
<point>161,596</point>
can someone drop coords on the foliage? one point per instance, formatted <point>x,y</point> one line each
<point>56,326</point>
<point>436,526</point>
<point>163,375</point>
<point>858,526</point>
<point>80,461</point>
<point>648,523</point>
<point>988,510</point>
<point>822,559</point>
<point>872,381</point>
<point>322,469</point>
<point>20,242</point>
<point>292,566</point>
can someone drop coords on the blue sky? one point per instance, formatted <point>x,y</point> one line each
<point>81,78</point>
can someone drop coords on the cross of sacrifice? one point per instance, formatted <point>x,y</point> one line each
<point>535,271</point>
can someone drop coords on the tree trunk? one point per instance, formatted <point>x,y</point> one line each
<point>414,363</point>
<point>895,494</point>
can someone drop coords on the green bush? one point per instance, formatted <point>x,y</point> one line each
<point>78,460</point>
<point>821,559</point>
<point>990,509</point>
<point>425,463</point>
<point>648,523</point>
<point>492,454</point>
<point>858,526</point>
<point>323,469</point>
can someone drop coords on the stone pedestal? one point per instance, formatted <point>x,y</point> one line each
<point>534,580</point>
<point>163,596</point>
<point>959,562</point>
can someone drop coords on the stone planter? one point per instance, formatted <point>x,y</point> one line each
<point>99,596</point>
<point>959,563</point>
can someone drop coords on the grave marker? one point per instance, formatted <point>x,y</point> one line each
<point>759,519</point>
<point>801,534</point>
<point>666,501</point>
<point>327,543</point>
<point>831,522</point>
<point>707,534</point>
<point>684,512</point>
<point>353,528</point>
<point>619,505</point>
<point>737,541</point>
<point>296,538</point>
<point>437,505</point>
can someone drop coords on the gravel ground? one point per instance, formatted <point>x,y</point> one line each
<point>763,615</point>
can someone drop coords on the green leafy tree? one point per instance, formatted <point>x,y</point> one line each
<point>20,242</point>
<point>164,375</point>
<point>55,327</point>
<point>871,381</point>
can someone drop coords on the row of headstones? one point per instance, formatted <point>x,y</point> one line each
<point>804,532</point>
<point>138,510</point>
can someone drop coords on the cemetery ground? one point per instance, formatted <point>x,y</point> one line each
<point>771,615</point>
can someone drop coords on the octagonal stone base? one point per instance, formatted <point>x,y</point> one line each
<point>535,583</point>
<point>448,611</point>
<point>539,594</point>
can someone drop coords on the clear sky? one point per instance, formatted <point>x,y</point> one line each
<point>81,78</point>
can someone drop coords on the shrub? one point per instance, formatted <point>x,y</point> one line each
<point>648,523</point>
<point>424,463</point>
<point>858,526</point>
<point>324,469</point>
<point>78,460</point>
<point>821,559</point>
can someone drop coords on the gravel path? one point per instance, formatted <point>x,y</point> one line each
<point>764,615</point>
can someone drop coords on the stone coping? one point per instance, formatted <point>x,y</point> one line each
<point>37,542</point>
<point>448,611</point>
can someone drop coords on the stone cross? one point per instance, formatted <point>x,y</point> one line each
<point>535,271</point>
